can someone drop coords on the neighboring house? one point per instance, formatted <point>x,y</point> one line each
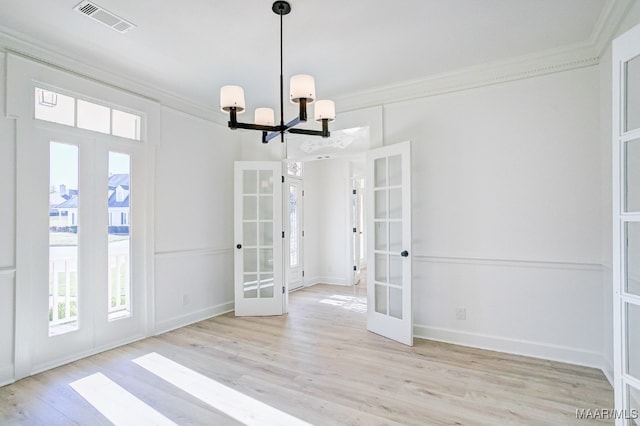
<point>118,205</point>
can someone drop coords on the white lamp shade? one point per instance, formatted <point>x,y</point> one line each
<point>230,97</point>
<point>324,109</point>
<point>264,117</point>
<point>302,86</point>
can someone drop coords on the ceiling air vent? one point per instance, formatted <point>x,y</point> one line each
<point>103,16</point>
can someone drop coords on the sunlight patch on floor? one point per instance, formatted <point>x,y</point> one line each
<point>350,303</point>
<point>225,399</point>
<point>116,404</point>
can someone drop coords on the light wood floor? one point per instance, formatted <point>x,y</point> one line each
<point>320,365</point>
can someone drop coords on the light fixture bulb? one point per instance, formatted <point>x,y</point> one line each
<point>302,86</point>
<point>232,97</point>
<point>264,117</point>
<point>324,109</point>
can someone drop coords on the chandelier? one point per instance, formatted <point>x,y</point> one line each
<point>302,91</point>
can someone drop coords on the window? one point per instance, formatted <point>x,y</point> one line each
<point>63,238</point>
<point>69,111</point>
<point>294,168</point>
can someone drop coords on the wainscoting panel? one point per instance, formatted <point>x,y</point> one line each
<point>7,326</point>
<point>192,285</point>
<point>550,310</point>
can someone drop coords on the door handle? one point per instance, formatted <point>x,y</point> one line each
<point>404,253</point>
<point>239,246</point>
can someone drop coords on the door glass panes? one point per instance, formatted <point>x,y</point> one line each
<point>632,258</point>
<point>380,236</point>
<point>633,340</point>
<point>395,170</point>
<point>632,98</point>
<point>250,286</point>
<point>395,302</point>
<point>63,238</point>
<point>388,233</point>
<point>258,237</point>
<point>94,117</point>
<point>634,403</point>
<point>632,176</point>
<point>380,172</point>
<point>54,107</point>
<point>125,125</point>
<point>381,299</point>
<point>250,234</point>
<point>294,224</point>
<point>395,203</point>
<point>119,236</point>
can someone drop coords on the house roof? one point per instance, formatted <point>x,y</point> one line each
<point>119,179</point>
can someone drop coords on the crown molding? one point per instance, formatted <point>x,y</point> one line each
<point>36,50</point>
<point>552,61</point>
<point>609,23</point>
<point>476,76</point>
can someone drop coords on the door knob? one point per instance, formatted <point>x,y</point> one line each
<point>239,246</point>
<point>404,253</point>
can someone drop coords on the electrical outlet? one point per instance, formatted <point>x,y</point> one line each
<point>461,313</point>
<point>185,299</point>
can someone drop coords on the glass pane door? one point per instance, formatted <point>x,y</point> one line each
<point>626,230</point>
<point>258,229</point>
<point>389,265</point>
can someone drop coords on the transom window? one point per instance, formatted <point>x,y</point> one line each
<point>69,111</point>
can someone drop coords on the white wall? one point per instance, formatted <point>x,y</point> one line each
<point>194,220</point>
<point>327,221</point>
<point>7,234</point>
<point>507,217</point>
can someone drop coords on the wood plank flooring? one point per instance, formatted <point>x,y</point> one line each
<point>319,364</point>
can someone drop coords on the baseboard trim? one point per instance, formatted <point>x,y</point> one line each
<point>325,280</point>
<point>39,368</point>
<point>607,370</point>
<point>193,317</point>
<point>7,375</point>
<point>511,346</point>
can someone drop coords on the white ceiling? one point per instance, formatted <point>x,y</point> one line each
<point>193,48</point>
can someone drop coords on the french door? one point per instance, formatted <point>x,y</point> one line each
<point>81,250</point>
<point>294,206</point>
<point>389,292</point>
<point>626,225</point>
<point>259,235</point>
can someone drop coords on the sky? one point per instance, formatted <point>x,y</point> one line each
<point>64,165</point>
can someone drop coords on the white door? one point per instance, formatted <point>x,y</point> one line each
<point>356,229</point>
<point>87,278</point>
<point>389,311</point>
<point>259,234</point>
<point>626,225</point>
<point>294,206</point>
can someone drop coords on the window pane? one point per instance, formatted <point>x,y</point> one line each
<point>632,176</point>
<point>381,299</point>
<point>633,340</point>
<point>54,107</point>
<point>125,125</point>
<point>94,117</point>
<point>632,107</point>
<point>63,238</point>
<point>119,250</point>
<point>294,168</point>
<point>293,226</point>
<point>632,258</point>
